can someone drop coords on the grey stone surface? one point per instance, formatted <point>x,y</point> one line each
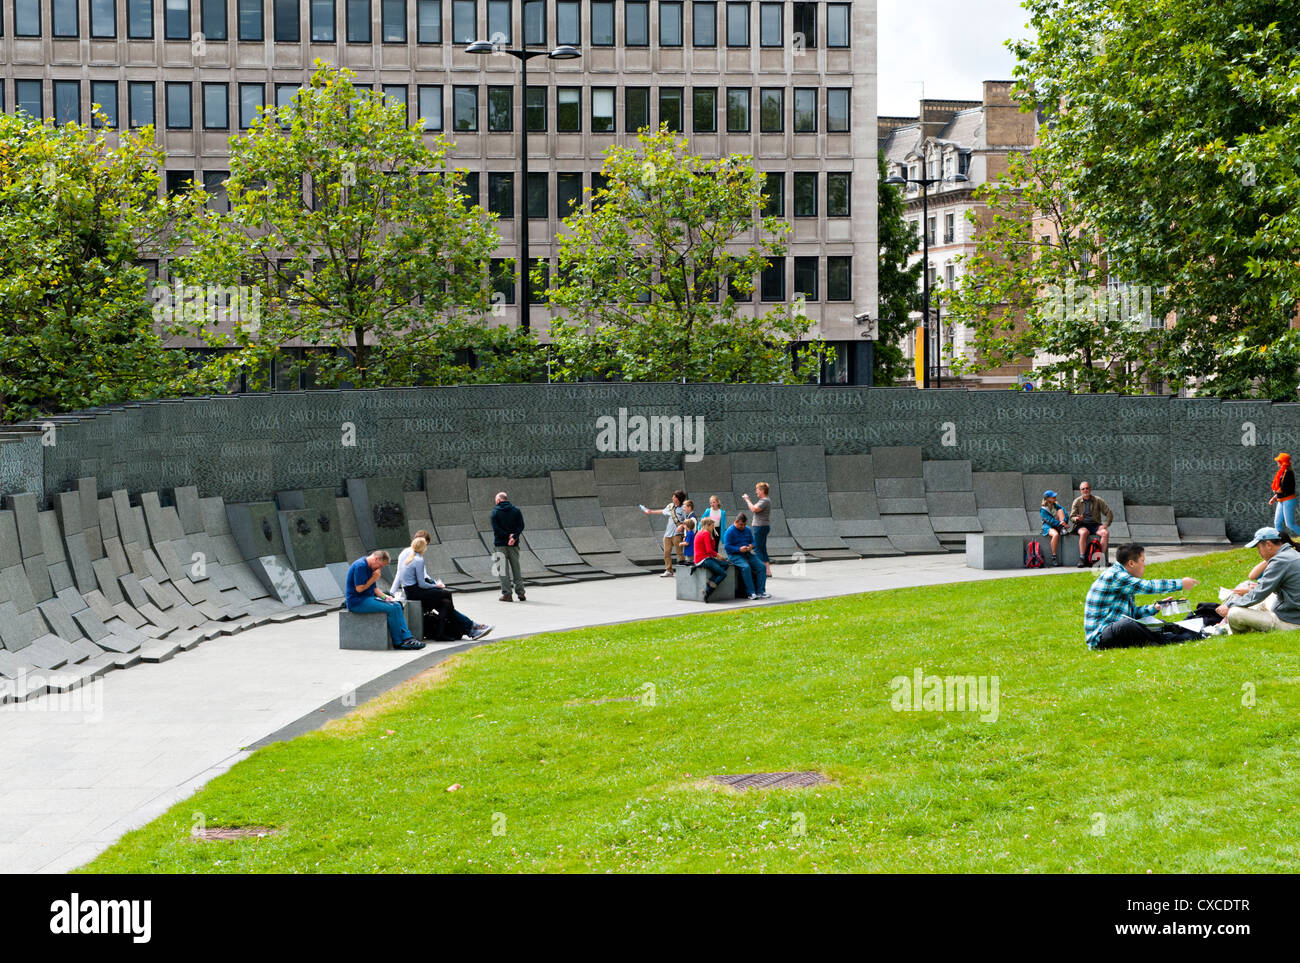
<point>278,576</point>
<point>106,576</point>
<point>106,513</point>
<point>984,551</point>
<point>67,506</point>
<point>256,528</point>
<point>115,554</point>
<point>579,512</point>
<point>911,533</point>
<point>38,577</point>
<point>87,489</point>
<point>999,489</point>
<point>692,583</point>
<point>125,521</point>
<point>320,586</point>
<point>907,487</point>
<point>10,552</point>
<point>51,537</point>
<point>60,576</point>
<point>901,506</point>
<point>849,473</point>
<point>90,625</point>
<point>1035,485</point>
<point>215,519</point>
<point>817,533</point>
<point>592,540</point>
<point>617,496</point>
<point>851,504</point>
<point>452,514</point>
<point>443,485</point>
<point>189,509</point>
<point>129,615</point>
<point>99,604</point>
<point>573,484</point>
<point>801,463</point>
<point>1202,530</point>
<point>29,528</point>
<point>629,522</point>
<point>804,499</point>
<point>896,461</point>
<point>944,524</point>
<point>616,471</point>
<point>711,474</point>
<point>363,630</point>
<point>15,588</point>
<point>1003,521</point>
<point>947,476</point>
<point>754,463</point>
<point>1149,515</point>
<point>951,503</point>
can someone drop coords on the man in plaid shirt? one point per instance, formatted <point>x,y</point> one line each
<point>1111,598</point>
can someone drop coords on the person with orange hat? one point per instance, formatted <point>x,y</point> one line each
<point>1284,495</point>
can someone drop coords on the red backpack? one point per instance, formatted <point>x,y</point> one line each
<point>1034,554</point>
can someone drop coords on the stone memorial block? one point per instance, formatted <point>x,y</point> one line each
<point>816,533</point>
<point>160,530</point>
<point>711,474</point>
<point>896,462</point>
<point>15,588</point>
<point>540,517</point>
<point>278,576</point>
<point>320,586</point>
<point>47,652</point>
<point>552,547</point>
<point>872,547</point>
<point>51,538</point>
<point>999,489</point>
<point>1202,531</point>
<point>616,471</point>
<point>901,506</point>
<point>90,625</point>
<point>629,522</point>
<point>116,555</point>
<point>948,524</point>
<point>173,561</point>
<point>107,516</point>
<point>417,506</point>
<point>67,506</point>
<point>152,566</point>
<point>1035,485</point>
<point>363,630</point>
<point>60,576</point>
<point>10,552</point>
<point>305,542</point>
<point>88,493</point>
<point>1150,515</point>
<point>83,647</point>
<point>163,596</point>
<point>947,476</point>
<point>483,491</point>
<point>754,463</point>
<point>256,528</point>
<point>657,487</point>
<point>137,519</point>
<point>29,528</point>
<point>803,500</point>
<point>911,533</point>
<point>613,563</point>
<point>900,488</point>
<point>38,577</point>
<point>1003,521</point>
<point>99,604</point>
<point>215,518</point>
<point>579,512</point>
<point>379,505</point>
<point>125,519</point>
<point>849,473</point>
<point>131,588</point>
<point>801,463</point>
<point>452,514</point>
<point>60,619</point>
<point>530,492</point>
<point>442,485</point>
<point>129,615</point>
<point>457,533</point>
<point>851,504</point>
<point>573,484</point>
<point>72,599</point>
<point>189,509</point>
<point>951,503</point>
<point>191,592</point>
<point>592,540</point>
<point>613,496</point>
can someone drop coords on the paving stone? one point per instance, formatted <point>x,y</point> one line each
<point>82,571</point>
<point>173,559</point>
<point>106,577</point>
<point>629,522</point>
<point>124,633</point>
<point>451,514</point>
<point>161,619</point>
<point>126,660</point>
<point>162,528</point>
<point>805,499</point>
<point>220,576</point>
<point>947,476</point>
<point>99,604</point>
<point>153,566</point>
<point>51,538</point>
<point>999,489</point>
<point>83,648</point>
<point>614,563</point>
<point>573,484</point>
<point>10,551</point>
<point>1207,530</point>
<point>29,527</point>
<point>72,599</point>
<point>131,589</point>
<point>69,678</point>
<point>224,549</point>
<point>189,509</point>
<point>126,527</point>
<point>816,533</point>
<point>249,584</point>
<point>896,462</point>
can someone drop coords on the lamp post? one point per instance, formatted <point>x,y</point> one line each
<point>925,183</point>
<point>523,55</point>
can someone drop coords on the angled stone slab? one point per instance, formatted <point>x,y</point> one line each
<point>948,524</point>
<point>804,499</point>
<point>616,471</point>
<point>159,650</point>
<point>189,509</point>
<point>106,576</point>
<point>116,554</point>
<point>648,551</point>
<point>83,649</point>
<point>1035,485</point>
<point>72,599</point>
<point>379,505</point>
<point>82,571</point>
<point>849,473</point>
<point>60,576</point>
<point>951,503</point>
<point>579,512</point>
<point>1003,521</point>
<point>443,485</point>
<point>743,484</point>
<point>816,533</point>
<point>129,615</point>
<point>999,489</point>
<point>191,592</point>
<point>451,514</point>
<point>97,603</point>
<point>67,506</point>
<point>573,484</point>
<point>319,585</point>
<point>15,588</point>
<point>153,566</point>
<point>617,496</point>
<point>256,528</point>
<point>901,506</point>
<point>106,514</point>
<point>91,625</point>
<point>455,533</point>
<point>10,551</point>
<point>657,487</point>
<point>125,519</point>
<point>630,522</point>
<point>249,584</point>
<point>541,518</point>
<point>279,578</point>
<point>754,463</point>
<point>11,667</point>
<point>851,504</point>
<point>212,610</point>
<point>1206,530</point>
<point>1140,515</point>
<point>911,533</point>
<point>1154,534</point>
<point>220,576</point>
<point>482,491</point>
<point>174,560</point>
<point>155,593</point>
<point>592,540</point>
<point>159,618</point>
<point>947,476</point>
<point>28,522</point>
<point>1115,502</point>
<point>215,520</point>
<point>47,652</point>
<point>907,487</point>
<point>160,527</point>
<point>899,461</point>
<point>711,474</point>
<point>614,563</point>
<point>51,537</point>
<point>224,549</point>
<point>88,491</point>
<point>123,633</point>
<point>879,546</point>
<point>38,577</point>
<point>801,463</point>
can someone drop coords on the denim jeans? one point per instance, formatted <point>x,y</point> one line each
<point>1284,514</point>
<point>752,572</point>
<point>760,542</point>
<point>716,569</point>
<point>397,630</point>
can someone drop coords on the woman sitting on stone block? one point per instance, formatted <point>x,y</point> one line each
<point>1054,522</point>
<point>432,595</point>
<point>706,554</point>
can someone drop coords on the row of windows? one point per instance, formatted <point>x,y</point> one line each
<point>394,24</point>
<point>737,104</point>
<point>949,229</point>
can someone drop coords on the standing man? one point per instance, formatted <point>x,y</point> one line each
<point>1087,512</point>
<point>1109,615</point>
<point>507,529</point>
<point>362,596</point>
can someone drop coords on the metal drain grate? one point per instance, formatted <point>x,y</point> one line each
<point>771,780</point>
<point>227,833</point>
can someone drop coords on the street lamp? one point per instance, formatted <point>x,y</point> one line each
<point>562,52</point>
<point>925,183</point>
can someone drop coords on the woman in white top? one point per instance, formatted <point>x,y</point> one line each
<point>717,513</point>
<point>416,584</point>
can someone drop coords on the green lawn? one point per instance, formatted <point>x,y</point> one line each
<point>1120,761</point>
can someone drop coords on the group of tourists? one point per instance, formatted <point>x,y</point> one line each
<point>695,539</point>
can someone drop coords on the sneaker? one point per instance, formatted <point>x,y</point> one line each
<point>411,643</point>
<point>506,598</point>
<point>522,597</point>
<point>1083,563</point>
<point>755,598</point>
<point>1056,561</point>
<point>765,595</point>
<point>666,575</point>
<point>480,631</point>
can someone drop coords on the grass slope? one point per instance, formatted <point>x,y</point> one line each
<point>1132,760</point>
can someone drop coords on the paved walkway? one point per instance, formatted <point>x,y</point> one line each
<point>78,771</point>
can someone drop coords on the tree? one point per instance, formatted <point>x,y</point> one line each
<point>348,232</point>
<point>655,263</point>
<point>74,313</point>
<point>899,294</point>
<point>1174,124</point>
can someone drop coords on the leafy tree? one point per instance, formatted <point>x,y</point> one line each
<point>351,233</point>
<point>898,283</point>
<point>75,325</point>
<point>653,264</point>
<point>1174,136</point>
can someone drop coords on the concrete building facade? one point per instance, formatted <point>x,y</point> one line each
<point>792,84</point>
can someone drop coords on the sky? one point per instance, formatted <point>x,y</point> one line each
<point>950,46</point>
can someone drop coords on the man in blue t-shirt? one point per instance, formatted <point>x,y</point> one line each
<point>738,543</point>
<point>362,596</point>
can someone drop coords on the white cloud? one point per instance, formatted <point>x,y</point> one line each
<point>949,45</point>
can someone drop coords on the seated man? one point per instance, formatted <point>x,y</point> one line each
<point>362,596</point>
<point>1091,516</point>
<point>1109,615</point>
<point>738,543</point>
<point>1281,575</point>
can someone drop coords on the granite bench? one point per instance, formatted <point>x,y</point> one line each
<point>692,582</point>
<point>369,630</point>
<point>985,551</point>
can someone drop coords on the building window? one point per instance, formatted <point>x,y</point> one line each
<point>537,194</point>
<point>734,292</point>
<point>839,278</point>
<point>568,108</point>
<point>501,194</point>
<point>949,276</point>
<point>28,97</point>
<point>250,20</point>
<point>179,181</point>
<point>599,182</point>
<point>358,21</point>
<point>602,23</point>
<point>535,22</point>
<point>464,108</point>
<point>392,14</point>
<point>500,108</point>
<point>500,21</point>
<point>469,187</point>
<point>771,110</point>
<point>216,109</point>
<point>770,32</point>
<point>429,104</point>
<point>176,19</point>
<point>929,230</point>
<point>772,282</point>
<point>738,110</point>
<point>805,24</point>
<point>103,19</point>
<point>537,289</point>
<point>428,21</point>
<point>737,24</point>
<point>27,18</point>
<point>287,27</point>
<point>139,103</point>
<point>805,278</point>
<point>670,108</point>
<point>636,108</point>
<point>602,110</point>
<point>837,24</point>
<point>251,97</point>
<point>949,228</point>
<point>464,21</point>
<point>503,280</point>
<point>805,110</point>
<point>179,100</point>
<point>397,94</point>
<point>636,23</point>
<point>774,190</point>
<point>139,19</point>
<point>837,109</point>
<point>104,94</point>
<point>214,183</point>
<point>805,194</point>
<point>568,194</point>
<point>63,21</point>
<point>322,26</point>
<point>568,23</point>
<point>535,108</point>
<point>704,110</point>
<point>212,19</point>
<point>670,24</point>
<point>704,24</point>
<point>67,101</point>
<point>837,194</point>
